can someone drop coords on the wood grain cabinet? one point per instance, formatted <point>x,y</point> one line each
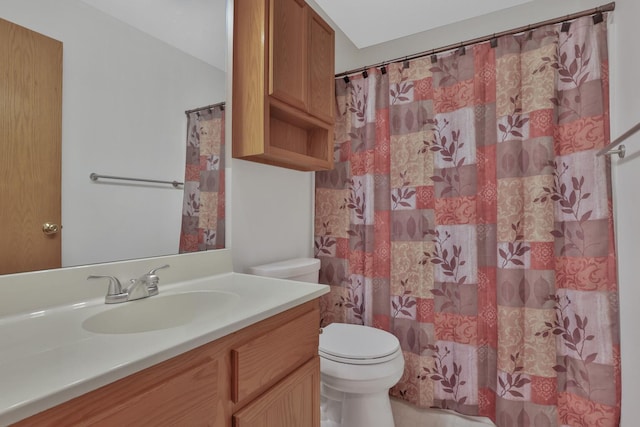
<point>291,402</point>
<point>266,375</point>
<point>283,85</point>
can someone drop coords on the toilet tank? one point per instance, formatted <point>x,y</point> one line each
<point>301,269</point>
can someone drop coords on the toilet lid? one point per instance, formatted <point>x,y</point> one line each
<point>357,344</point>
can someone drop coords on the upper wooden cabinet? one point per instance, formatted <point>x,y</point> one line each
<point>283,85</point>
<point>288,73</point>
<point>321,98</point>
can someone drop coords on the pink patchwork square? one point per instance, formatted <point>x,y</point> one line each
<point>584,274</point>
<point>342,247</point>
<point>188,242</point>
<point>382,264</point>
<point>361,162</point>
<point>382,162</point>
<point>541,123</point>
<point>487,306</point>
<point>580,135</point>
<point>447,99</point>
<point>425,197</point>
<point>381,321</point>
<point>456,328</point>
<point>486,403</point>
<point>542,255</point>
<point>423,89</point>
<point>456,210</point>
<point>485,73</point>
<point>576,410</point>
<point>192,173</point>
<point>424,310</point>
<point>544,390</point>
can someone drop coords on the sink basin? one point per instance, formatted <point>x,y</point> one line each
<point>161,312</point>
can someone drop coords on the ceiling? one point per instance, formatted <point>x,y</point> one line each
<point>369,22</point>
<point>198,27</point>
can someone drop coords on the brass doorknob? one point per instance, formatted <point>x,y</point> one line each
<point>48,228</point>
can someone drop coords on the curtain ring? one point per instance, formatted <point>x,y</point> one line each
<point>598,17</point>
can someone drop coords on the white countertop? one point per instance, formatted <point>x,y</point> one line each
<point>46,357</point>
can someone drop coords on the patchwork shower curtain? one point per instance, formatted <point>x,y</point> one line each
<point>203,210</point>
<point>469,215</point>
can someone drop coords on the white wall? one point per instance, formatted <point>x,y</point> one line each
<point>272,214</point>
<point>124,98</point>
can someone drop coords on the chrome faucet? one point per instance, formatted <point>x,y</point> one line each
<point>142,287</point>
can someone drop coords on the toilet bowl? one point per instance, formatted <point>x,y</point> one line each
<point>358,364</point>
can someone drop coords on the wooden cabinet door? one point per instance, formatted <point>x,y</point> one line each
<point>288,52</point>
<point>182,391</point>
<point>321,68</point>
<point>293,402</point>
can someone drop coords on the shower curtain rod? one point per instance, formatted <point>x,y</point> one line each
<point>219,104</point>
<point>597,11</point>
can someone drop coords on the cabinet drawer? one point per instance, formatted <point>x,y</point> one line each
<point>261,362</point>
<point>293,402</point>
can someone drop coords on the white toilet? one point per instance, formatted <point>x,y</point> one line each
<point>358,364</point>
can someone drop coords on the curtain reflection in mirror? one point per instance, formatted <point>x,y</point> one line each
<point>203,213</point>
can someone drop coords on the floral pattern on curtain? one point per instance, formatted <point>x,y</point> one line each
<point>203,208</point>
<point>469,215</point>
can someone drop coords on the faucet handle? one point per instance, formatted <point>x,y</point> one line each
<point>115,293</point>
<point>152,280</point>
<point>153,272</point>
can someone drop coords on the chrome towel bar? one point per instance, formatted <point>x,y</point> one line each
<point>609,149</point>
<point>95,177</point>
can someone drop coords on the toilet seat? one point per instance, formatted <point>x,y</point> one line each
<point>357,344</point>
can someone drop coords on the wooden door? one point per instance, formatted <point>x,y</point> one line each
<point>293,402</point>
<point>30,148</point>
<point>288,52</point>
<point>321,68</point>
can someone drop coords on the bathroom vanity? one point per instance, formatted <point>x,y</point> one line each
<point>248,360</point>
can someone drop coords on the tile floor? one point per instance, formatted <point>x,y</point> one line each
<point>406,415</point>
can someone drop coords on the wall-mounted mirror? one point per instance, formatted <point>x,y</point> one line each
<point>131,68</point>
